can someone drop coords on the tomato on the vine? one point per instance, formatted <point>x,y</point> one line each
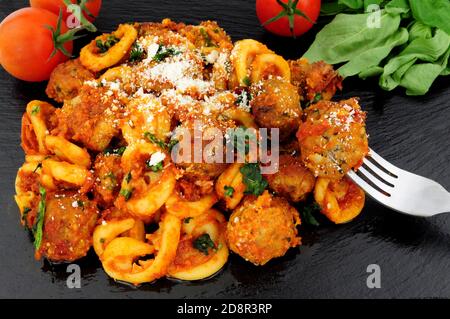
<point>90,8</point>
<point>33,42</point>
<point>288,17</point>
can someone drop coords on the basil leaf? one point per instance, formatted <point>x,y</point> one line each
<point>373,56</point>
<point>348,36</point>
<point>434,13</point>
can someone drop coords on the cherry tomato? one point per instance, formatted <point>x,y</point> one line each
<point>91,8</point>
<point>288,17</point>
<point>27,47</point>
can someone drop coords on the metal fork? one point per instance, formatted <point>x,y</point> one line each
<point>400,190</point>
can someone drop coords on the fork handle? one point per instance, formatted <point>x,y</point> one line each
<point>447,203</point>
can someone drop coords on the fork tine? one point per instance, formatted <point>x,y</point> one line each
<point>383,163</point>
<point>367,187</point>
<point>371,179</point>
<point>379,173</point>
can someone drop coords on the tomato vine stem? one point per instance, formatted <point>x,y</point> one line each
<point>289,10</point>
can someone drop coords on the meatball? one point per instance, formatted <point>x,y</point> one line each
<point>293,180</point>
<point>276,104</point>
<point>333,138</point>
<point>108,176</point>
<point>70,219</point>
<point>205,159</point>
<point>314,81</point>
<point>66,80</point>
<point>91,117</point>
<point>263,228</point>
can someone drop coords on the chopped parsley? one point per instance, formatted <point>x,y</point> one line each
<point>203,243</point>
<point>164,52</point>
<point>246,81</point>
<point>229,191</point>
<point>172,144</point>
<point>253,180</point>
<point>309,212</point>
<point>126,193</point>
<point>152,138</point>
<point>115,151</point>
<point>243,99</point>
<point>80,204</point>
<point>160,143</point>
<point>35,110</point>
<point>104,46</point>
<point>155,168</point>
<point>25,212</point>
<point>137,53</point>
<point>207,38</point>
<point>38,230</point>
<point>316,99</point>
<point>128,177</point>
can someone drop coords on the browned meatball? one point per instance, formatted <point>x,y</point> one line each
<point>276,104</point>
<point>66,80</point>
<point>263,228</point>
<point>210,129</point>
<point>69,222</point>
<point>108,175</point>
<point>314,81</point>
<point>333,138</point>
<point>91,118</point>
<point>293,180</point>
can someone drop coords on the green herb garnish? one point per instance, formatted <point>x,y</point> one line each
<point>128,177</point>
<point>35,110</point>
<point>172,144</point>
<point>137,53</point>
<point>155,168</point>
<point>104,46</point>
<point>309,212</point>
<point>207,38</point>
<point>246,81</point>
<point>25,212</point>
<point>187,220</point>
<point>243,99</point>
<point>80,204</point>
<point>126,193</point>
<point>229,191</point>
<point>160,143</point>
<point>152,138</point>
<point>38,233</point>
<point>316,99</point>
<point>254,182</point>
<point>164,52</point>
<point>203,243</point>
<point>115,151</point>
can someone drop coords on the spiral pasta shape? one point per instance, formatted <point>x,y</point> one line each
<point>120,255</point>
<point>341,200</point>
<point>95,61</point>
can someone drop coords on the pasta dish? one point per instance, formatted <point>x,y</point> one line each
<point>133,157</point>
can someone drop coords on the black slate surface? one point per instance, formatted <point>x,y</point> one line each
<point>413,253</point>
